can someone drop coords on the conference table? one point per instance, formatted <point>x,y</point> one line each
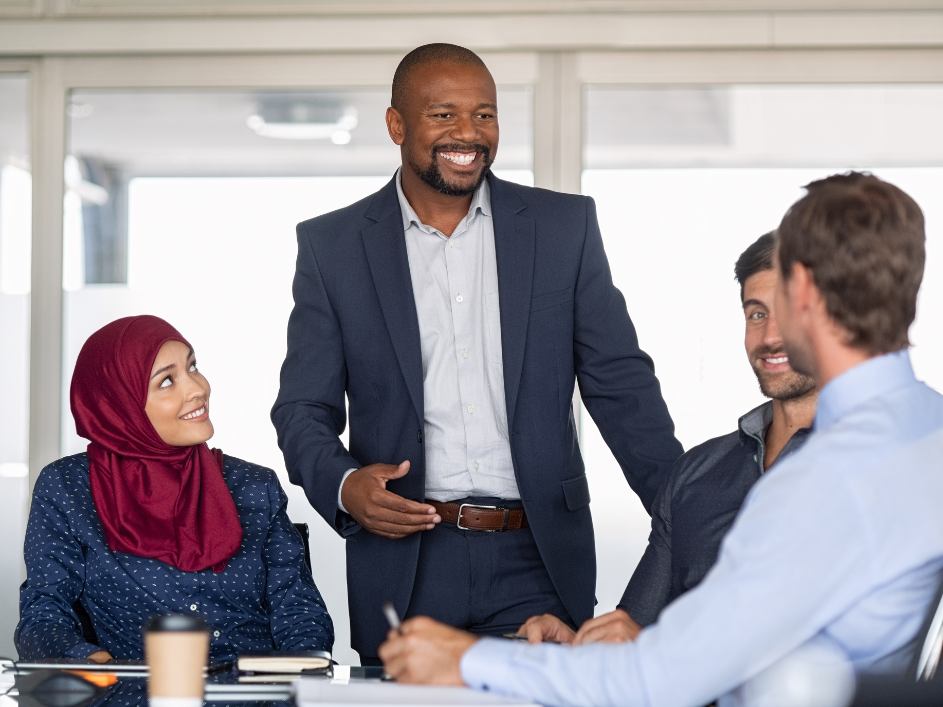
<point>344,690</point>
<point>226,688</point>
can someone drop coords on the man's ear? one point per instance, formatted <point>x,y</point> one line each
<point>801,287</point>
<point>396,126</point>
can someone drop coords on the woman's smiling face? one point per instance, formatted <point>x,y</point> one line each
<point>178,397</point>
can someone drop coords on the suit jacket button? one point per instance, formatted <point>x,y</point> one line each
<point>419,436</point>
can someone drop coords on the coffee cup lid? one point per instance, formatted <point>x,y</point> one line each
<point>176,622</point>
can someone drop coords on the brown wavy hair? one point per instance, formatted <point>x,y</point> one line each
<point>863,241</point>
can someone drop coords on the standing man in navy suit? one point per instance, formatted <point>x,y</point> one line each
<point>456,311</point>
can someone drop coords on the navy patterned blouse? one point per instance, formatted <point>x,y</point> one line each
<point>264,600</point>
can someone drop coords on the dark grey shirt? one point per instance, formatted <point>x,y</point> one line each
<point>695,508</point>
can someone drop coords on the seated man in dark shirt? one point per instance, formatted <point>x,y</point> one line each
<point>703,492</point>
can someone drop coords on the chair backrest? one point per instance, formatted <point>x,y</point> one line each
<point>302,528</point>
<point>928,659</point>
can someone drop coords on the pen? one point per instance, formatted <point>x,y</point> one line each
<point>521,637</point>
<point>391,616</point>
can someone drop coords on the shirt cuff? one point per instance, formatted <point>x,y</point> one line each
<point>81,651</point>
<point>340,504</point>
<point>484,664</point>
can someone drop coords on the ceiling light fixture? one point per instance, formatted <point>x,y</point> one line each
<point>304,121</point>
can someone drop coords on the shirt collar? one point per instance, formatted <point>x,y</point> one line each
<point>873,378</point>
<point>481,201</point>
<point>755,423</point>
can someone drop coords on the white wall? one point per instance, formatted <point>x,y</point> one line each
<point>672,237</point>
<point>216,257</point>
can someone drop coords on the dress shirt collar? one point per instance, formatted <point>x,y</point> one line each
<point>755,423</point>
<point>481,201</point>
<point>876,376</point>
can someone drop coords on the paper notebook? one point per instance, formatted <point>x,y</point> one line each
<point>286,662</point>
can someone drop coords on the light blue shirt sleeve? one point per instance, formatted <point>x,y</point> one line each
<point>840,543</point>
<point>547,673</point>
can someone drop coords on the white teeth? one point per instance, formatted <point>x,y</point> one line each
<point>780,359</point>
<point>195,413</point>
<point>462,158</point>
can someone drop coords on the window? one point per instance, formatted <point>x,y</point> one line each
<point>15,245</point>
<point>183,204</point>
<point>685,178</point>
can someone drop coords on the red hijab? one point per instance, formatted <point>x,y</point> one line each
<point>153,500</point>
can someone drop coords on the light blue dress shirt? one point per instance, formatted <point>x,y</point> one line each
<point>841,543</point>
<point>455,287</point>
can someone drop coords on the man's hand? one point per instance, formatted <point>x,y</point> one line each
<point>365,497</point>
<point>100,657</point>
<point>426,652</point>
<point>546,627</point>
<point>615,627</point>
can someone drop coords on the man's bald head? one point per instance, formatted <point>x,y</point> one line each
<point>428,54</point>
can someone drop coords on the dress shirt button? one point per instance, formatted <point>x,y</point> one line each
<point>451,243</point>
<point>192,607</point>
<point>471,409</point>
<point>476,466</point>
<point>459,299</point>
<point>464,353</point>
<point>215,634</point>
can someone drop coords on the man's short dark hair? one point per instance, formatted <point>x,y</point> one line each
<point>759,256</point>
<point>428,54</point>
<point>863,241</point>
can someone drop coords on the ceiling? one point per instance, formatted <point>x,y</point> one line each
<point>200,132</point>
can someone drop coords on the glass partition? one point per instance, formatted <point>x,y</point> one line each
<point>15,247</point>
<point>183,204</point>
<point>685,178</point>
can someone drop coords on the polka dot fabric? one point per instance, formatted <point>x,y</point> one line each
<point>265,599</point>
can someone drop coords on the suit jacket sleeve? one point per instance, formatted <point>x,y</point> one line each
<point>310,413</point>
<point>616,378</point>
<point>650,586</point>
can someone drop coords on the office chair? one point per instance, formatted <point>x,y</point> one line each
<point>928,659</point>
<point>88,631</point>
<point>302,529</point>
<point>924,691</point>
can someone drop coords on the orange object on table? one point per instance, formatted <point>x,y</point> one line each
<point>99,679</point>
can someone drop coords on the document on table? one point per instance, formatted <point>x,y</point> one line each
<point>315,692</point>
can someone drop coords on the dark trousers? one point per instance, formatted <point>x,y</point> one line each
<point>486,583</point>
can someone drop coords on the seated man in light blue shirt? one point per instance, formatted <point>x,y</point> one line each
<point>840,546</point>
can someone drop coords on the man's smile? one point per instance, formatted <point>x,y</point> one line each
<point>774,362</point>
<point>462,159</point>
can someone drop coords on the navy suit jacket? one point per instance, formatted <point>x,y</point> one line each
<point>354,331</point>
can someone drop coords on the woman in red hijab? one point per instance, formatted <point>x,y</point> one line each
<point>152,521</point>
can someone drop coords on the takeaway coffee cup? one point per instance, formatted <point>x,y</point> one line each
<point>176,648</point>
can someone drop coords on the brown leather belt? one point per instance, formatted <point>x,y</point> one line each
<point>491,519</point>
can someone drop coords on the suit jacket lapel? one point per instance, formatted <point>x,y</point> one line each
<point>514,242</point>
<point>385,245</point>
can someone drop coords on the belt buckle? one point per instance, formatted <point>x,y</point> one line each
<point>463,506</point>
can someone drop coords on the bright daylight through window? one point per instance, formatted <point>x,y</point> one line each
<point>184,205</point>
<point>685,178</point>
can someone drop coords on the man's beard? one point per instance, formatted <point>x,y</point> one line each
<point>433,177</point>
<point>787,385</point>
